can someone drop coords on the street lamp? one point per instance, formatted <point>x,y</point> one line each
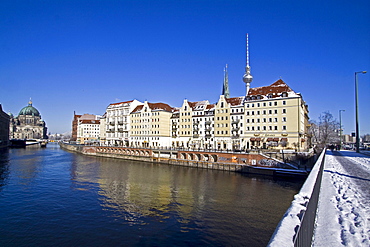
<point>356,95</point>
<point>340,128</point>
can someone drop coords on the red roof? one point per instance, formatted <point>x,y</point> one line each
<point>235,101</point>
<point>277,87</point>
<point>154,106</point>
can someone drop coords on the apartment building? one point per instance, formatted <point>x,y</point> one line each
<point>275,116</point>
<point>151,125</point>
<point>117,122</point>
<point>88,131</point>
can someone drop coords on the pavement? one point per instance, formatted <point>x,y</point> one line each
<point>343,215</point>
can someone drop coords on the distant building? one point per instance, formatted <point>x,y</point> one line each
<point>86,128</point>
<point>4,128</point>
<point>88,131</point>
<point>28,124</point>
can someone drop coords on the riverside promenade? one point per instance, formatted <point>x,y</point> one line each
<point>332,207</point>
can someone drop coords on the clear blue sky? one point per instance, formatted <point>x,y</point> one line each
<point>83,55</point>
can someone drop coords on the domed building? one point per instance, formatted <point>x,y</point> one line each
<point>28,124</point>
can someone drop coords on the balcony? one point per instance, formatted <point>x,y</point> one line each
<point>208,136</point>
<point>236,136</point>
<point>235,128</point>
<point>111,122</point>
<point>195,135</point>
<point>208,122</point>
<point>236,121</point>
<point>120,122</point>
<point>208,129</point>
<point>110,130</point>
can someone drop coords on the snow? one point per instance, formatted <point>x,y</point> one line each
<point>286,230</point>
<point>343,215</point>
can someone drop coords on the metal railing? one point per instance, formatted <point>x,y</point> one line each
<point>307,227</point>
<point>308,197</point>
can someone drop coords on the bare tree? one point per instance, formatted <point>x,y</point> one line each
<point>324,131</point>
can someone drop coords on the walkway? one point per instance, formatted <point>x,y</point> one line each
<point>343,216</point>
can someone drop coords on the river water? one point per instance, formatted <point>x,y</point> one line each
<point>51,197</point>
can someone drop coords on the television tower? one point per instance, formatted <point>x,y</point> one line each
<point>247,78</point>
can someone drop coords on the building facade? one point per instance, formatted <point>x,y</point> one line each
<point>4,128</point>
<point>28,124</point>
<point>150,125</point>
<point>88,131</point>
<point>117,122</point>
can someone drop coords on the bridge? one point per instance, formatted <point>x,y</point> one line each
<point>333,206</point>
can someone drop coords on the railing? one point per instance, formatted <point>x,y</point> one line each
<point>297,226</point>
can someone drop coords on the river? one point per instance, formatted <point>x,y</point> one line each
<point>51,197</point>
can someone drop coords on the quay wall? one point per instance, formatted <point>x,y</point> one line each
<point>236,162</point>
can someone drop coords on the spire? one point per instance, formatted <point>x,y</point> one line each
<point>247,78</point>
<point>30,102</point>
<point>225,88</point>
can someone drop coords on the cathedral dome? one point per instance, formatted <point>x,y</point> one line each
<point>29,110</point>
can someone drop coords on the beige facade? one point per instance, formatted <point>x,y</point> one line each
<point>151,125</point>
<point>276,117</point>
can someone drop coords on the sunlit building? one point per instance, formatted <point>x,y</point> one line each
<point>117,120</point>
<point>150,125</point>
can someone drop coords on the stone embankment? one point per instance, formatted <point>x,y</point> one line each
<point>237,162</point>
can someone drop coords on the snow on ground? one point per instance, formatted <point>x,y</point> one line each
<point>344,205</point>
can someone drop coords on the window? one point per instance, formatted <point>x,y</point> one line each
<point>284,111</point>
<point>275,103</point>
<point>284,127</point>
<point>284,102</point>
<point>284,119</point>
<point>276,128</point>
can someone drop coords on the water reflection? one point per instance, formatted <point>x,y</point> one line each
<point>4,167</point>
<point>141,193</point>
<point>68,199</point>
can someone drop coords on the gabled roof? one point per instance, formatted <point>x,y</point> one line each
<point>235,101</point>
<point>160,106</point>
<point>154,107</point>
<point>277,87</point>
<point>195,105</point>
<point>122,102</point>
<point>87,121</point>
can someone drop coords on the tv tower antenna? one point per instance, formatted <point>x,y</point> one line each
<point>247,77</point>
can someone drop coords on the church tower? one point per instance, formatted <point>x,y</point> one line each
<point>225,88</point>
<point>247,78</point>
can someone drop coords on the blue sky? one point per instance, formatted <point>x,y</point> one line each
<point>83,55</point>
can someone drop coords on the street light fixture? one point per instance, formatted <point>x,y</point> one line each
<point>340,128</point>
<point>356,96</point>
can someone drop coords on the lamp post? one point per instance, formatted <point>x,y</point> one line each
<point>340,128</point>
<point>356,96</point>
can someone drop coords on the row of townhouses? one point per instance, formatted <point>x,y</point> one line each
<point>272,116</point>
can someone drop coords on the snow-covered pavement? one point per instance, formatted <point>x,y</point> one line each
<point>343,216</point>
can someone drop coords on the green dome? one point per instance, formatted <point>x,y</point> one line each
<point>29,110</point>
